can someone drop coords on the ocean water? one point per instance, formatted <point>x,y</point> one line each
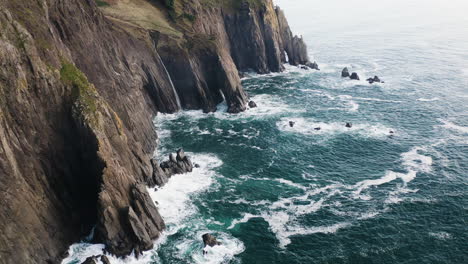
<point>275,194</point>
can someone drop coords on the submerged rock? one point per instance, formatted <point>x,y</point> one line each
<point>354,76</point>
<point>349,125</point>
<point>318,128</point>
<point>292,123</point>
<point>345,73</point>
<point>252,104</point>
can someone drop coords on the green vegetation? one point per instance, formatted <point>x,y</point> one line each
<point>232,4</point>
<point>101,3</point>
<point>84,94</point>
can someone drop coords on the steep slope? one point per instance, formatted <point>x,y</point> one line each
<point>79,86</point>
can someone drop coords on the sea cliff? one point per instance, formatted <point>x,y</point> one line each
<point>80,82</point>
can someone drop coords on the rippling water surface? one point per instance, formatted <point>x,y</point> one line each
<point>275,194</point>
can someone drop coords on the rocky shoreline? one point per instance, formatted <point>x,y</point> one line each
<point>80,82</point>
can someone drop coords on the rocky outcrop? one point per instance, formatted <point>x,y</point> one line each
<point>252,104</point>
<point>345,73</point>
<point>294,46</point>
<point>354,76</point>
<point>177,164</point>
<point>210,240</point>
<point>79,86</point>
<point>376,79</point>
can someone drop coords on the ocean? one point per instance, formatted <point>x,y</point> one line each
<point>393,188</point>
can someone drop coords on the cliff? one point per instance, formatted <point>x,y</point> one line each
<point>81,80</point>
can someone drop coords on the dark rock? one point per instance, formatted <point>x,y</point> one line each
<point>345,73</point>
<point>392,132</point>
<point>177,164</point>
<point>209,240</point>
<point>317,128</point>
<point>304,67</point>
<point>354,76</point>
<point>292,123</point>
<point>252,104</point>
<point>313,65</point>
<point>376,79</point>
<point>349,125</point>
<point>196,165</point>
<point>91,260</point>
<point>105,260</point>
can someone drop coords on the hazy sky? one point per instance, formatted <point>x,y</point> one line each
<point>323,14</point>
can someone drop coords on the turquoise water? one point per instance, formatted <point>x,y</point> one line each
<point>275,194</point>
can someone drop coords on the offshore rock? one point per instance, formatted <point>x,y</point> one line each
<point>345,73</point>
<point>209,240</point>
<point>376,79</point>
<point>252,104</point>
<point>354,76</point>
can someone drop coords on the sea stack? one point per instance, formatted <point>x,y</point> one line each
<point>354,76</point>
<point>345,73</point>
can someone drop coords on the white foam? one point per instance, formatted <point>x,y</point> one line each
<point>307,127</point>
<point>413,163</point>
<point>288,69</point>
<point>174,198</point>
<point>353,106</point>
<point>224,253</point>
<point>441,235</point>
<point>452,126</point>
<point>429,99</point>
<point>244,219</point>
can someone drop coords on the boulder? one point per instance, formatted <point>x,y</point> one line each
<point>292,123</point>
<point>210,240</point>
<point>252,104</point>
<point>349,125</point>
<point>313,65</point>
<point>345,73</point>
<point>354,76</point>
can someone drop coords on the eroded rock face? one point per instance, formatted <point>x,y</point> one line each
<point>78,91</point>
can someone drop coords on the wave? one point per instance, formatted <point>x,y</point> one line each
<point>412,161</point>
<point>428,99</point>
<point>353,106</point>
<point>452,126</point>
<point>308,127</point>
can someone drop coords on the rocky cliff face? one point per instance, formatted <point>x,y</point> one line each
<point>79,86</point>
